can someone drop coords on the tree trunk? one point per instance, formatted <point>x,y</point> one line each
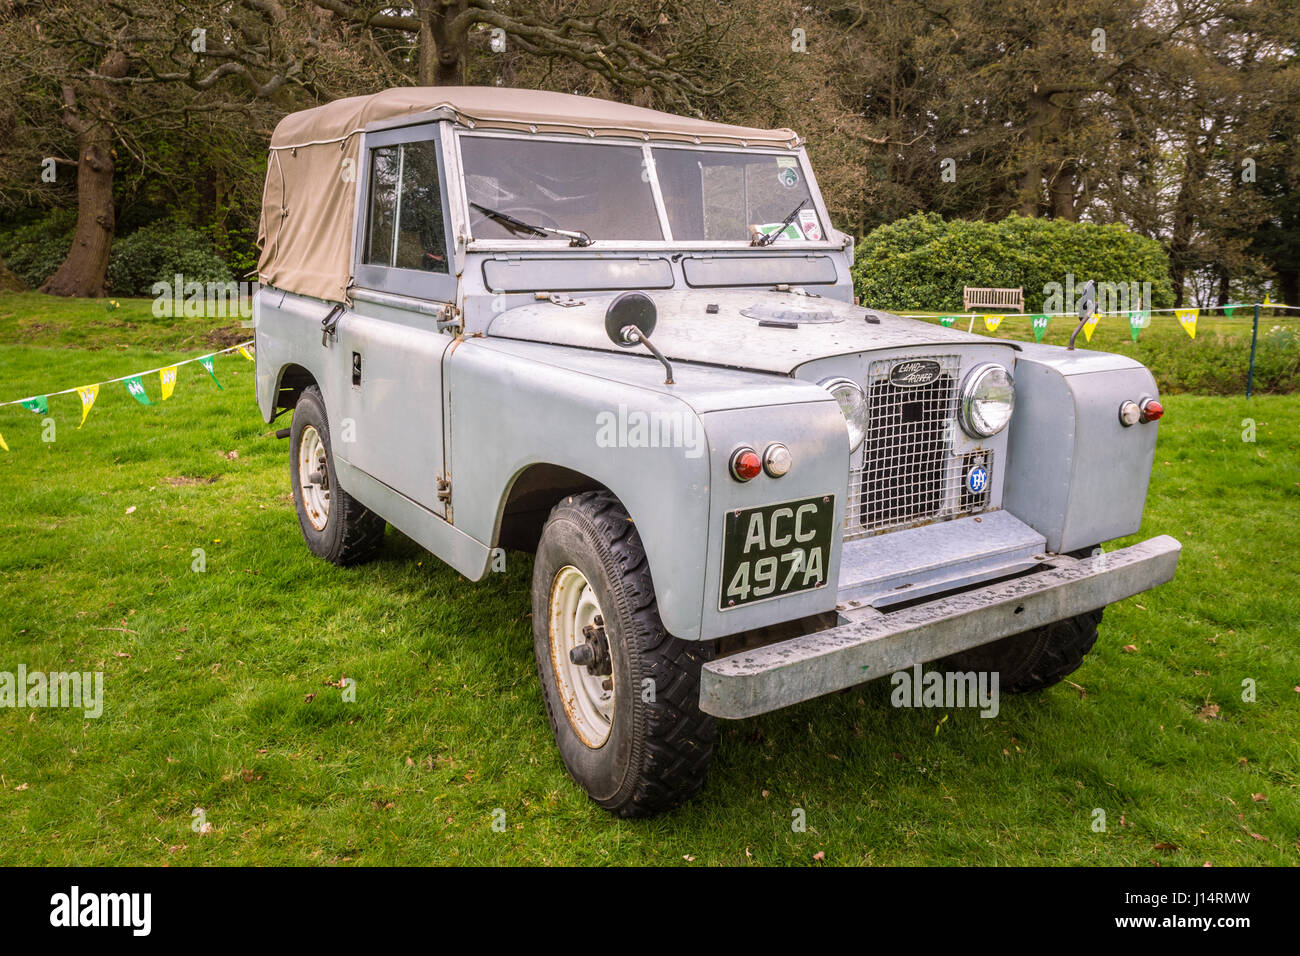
<point>84,270</point>
<point>442,43</point>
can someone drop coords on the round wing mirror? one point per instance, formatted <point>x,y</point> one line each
<point>631,310</point>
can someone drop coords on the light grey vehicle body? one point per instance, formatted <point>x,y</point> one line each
<point>467,388</point>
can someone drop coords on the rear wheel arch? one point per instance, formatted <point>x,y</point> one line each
<point>292,381</point>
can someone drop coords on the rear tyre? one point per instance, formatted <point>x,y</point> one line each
<point>622,694</point>
<point>1035,659</point>
<point>335,525</point>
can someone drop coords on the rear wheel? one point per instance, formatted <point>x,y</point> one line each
<point>622,694</point>
<point>335,525</point>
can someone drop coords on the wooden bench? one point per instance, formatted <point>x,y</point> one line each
<point>992,298</point>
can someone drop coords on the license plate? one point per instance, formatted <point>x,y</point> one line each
<point>776,550</point>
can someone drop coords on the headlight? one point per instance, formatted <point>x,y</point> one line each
<point>853,404</point>
<point>988,397</point>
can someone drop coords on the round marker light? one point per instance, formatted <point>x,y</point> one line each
<point>853,403</point>
<point>988,396</point>
<point>1129,414</point>
<point>745,464</point>
<point>777,460</point>
<point>1152,411</point>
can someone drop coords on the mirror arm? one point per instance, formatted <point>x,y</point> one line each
<point>633,335</point>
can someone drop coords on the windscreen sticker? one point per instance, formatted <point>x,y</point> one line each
<point>788,176</point>
<point>791,231</point>
<point>812,230</point>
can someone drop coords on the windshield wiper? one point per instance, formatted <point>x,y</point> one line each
<point>576,238</point>
<point>772,236</point>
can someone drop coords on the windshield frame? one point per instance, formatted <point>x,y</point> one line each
<point>647,144</point>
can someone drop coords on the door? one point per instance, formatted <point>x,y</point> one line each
<point>390,341</point>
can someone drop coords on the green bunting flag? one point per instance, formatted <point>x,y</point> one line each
<point>40,404</point>
<point>947,320</point>
<point>1039,323</point>
<point>1137,321</point>
<point>136,388</point>
<point>206,362</point>
<point>1229,309</point>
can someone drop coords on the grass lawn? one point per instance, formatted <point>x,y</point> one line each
<point>221,685</point>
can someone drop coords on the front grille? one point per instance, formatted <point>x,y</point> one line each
<point>905,473</point>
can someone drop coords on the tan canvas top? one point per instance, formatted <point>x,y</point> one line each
<point>308,203</point>
<point>496,108</point>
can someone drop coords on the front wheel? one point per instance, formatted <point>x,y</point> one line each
<point>622,694</point>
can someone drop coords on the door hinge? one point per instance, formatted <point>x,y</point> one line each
<point>449,320</point>
<point>444,489</point>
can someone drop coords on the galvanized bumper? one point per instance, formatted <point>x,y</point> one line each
<point>873,643</point>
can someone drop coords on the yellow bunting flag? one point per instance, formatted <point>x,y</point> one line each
<point>1266,301</point>
<point>87,394</point>
<point>2,443</point>
<point>1090,326</point>
<point>168,378</point>
<point>1188,318</point>
<point>991,322</point>
<point>244,352</point>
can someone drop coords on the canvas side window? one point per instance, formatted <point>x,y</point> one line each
<point>405,227</point>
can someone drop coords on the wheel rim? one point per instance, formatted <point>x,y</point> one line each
<point>588,703</point>
<point>313,477</point>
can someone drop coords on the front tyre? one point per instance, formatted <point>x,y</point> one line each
<point>335,525</point>
<point>622,694</point>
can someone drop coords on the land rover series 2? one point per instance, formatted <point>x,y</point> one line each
<point>627,342</point>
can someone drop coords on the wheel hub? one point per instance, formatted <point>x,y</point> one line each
<point>313,477</point>
<point>580,657</point>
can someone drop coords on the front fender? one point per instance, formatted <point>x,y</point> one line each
<point>610,417</point>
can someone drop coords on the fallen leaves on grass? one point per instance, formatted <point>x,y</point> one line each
<point>1208,713</point>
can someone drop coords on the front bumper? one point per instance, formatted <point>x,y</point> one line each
<point>870,643</point>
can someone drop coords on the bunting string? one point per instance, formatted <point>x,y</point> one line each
<point>134,383</point>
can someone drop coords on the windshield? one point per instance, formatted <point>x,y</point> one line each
<point>593,188</point>
<point>724,195</point>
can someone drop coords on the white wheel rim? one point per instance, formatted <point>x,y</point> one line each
<point>587,703</point>
<point>313,477</point>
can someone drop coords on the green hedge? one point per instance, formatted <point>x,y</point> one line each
<point>922,262</point>
<point>34,250</point>
<point>156,252</point>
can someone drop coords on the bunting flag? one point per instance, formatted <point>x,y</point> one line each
<point>991,322</point>
<point>2,443</point>
<point>1229,309</point>
<point>1188,319</point>
<point>947,320</point>
<point>167,378</point>
<point>1090,326</point>
<point>206,362</point>
<point>136,388</point>
<point>40,404</point>
<point>1039,323</point>
<point>1266,301</point>
<point>245,353</point>
<point>87,394</point>
<point>1137,321</point>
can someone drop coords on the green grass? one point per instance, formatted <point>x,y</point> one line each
<point>208,674</point>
